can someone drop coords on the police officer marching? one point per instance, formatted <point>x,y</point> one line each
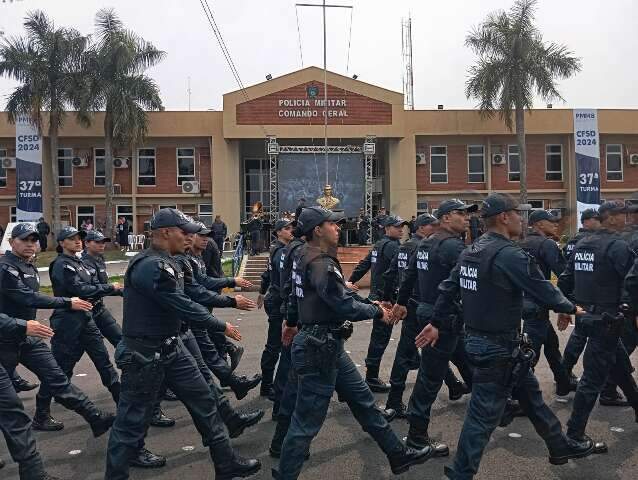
<point>595,278</point>
<point>407,355</point>
<point>377,262</point>
<point>431,263</point>
<point>489,279</point>
<point>270,299</point>
<point>151,353</point>
<point>540,245</point>
<point>326,310</point>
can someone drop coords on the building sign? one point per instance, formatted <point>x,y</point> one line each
<point>28,171</point>
<point>586,140</point>
<point>305,105</point>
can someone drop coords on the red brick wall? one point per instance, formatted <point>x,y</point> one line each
<point>457,178</point>
<point>361,110</point>
<point>630,172</point>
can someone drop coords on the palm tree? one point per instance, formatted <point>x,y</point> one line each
<point>515,64</point>
<point>117,85</point>
<point>46,64</point>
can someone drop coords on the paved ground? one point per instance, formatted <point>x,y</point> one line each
<point>342,450</point>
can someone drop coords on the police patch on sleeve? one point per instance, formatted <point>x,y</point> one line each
<point>69,267</point>
<point>13,271</point>
<point>166,267</point>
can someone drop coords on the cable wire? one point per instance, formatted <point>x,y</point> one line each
<point>299,34</point>
<point>349,41</point>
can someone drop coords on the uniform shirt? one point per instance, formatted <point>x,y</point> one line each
<point>12,328</point>
<point>197,292</point>
<point>323,284</point>
<point>211,283</point>
<point>19,289</point>
<point>568,249</point>
<point>549,257</point>
<point>271,278</point>
<point>70,277</point>
<point>154,300</point>
<point>513,269</point>
<point>398,268</point>
<point>212,259</point>
<point>630,235</point>
<point>294,251</point>
<point>631,285</point>
<point>377,260</point>
<point>97,268</point>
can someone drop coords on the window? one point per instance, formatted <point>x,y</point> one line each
<point>125,211</point>
<point>553,162</point>
<point>614,162</point>
<point>205,213</point>
<point>513,164</point>
<point>256,184</point>
<point>185,165</point>
<point>3,171</point>
<point>100,168</point>
<point>537,204</point>
<point>421,204</point>
<point>476,163</point>
<point>85,213</point>
<point>438,164</point>
<point>13,215</point>
<point>65,167</point>
<point>146,167</point>
<point>174,207</point>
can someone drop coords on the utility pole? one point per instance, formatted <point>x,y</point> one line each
<point>325,75</point>
<point>406,55</point>
<point>189,94</point>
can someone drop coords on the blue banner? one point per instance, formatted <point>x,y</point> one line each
<point>28,171</point>
<point>587,149</point>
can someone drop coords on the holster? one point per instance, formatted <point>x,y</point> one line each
<point>320,352</point>
<point>508,372</point>
<point>614,325</point>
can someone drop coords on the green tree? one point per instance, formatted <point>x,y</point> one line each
<point>515,64</point>
<point>46,64</point>
<point>116,84</point>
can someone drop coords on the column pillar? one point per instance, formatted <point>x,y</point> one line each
<point>225,171</point>
<point>401,172</point>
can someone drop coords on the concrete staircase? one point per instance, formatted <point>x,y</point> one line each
<point>253,267</point>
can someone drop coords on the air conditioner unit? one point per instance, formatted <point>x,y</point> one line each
<point>633,159</point>
<point>420,158</point>
<point>8,163</point>
<point>80,162</point>
<point>498,159</point>
<point>117,189</point>
<point>120,162</point>
<point>190,187</point>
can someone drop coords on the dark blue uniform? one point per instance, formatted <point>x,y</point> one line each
<point>323,365</point>
<point>75,331</point>
<point>20,298</point>
<point>536,317</point>
<point>490,278</point>
<point>594,277</point>
<point>377,262</point>
<point>407,355</point>
<point>271,288</point>
<point>431,264</point>
<point>102,317</point>
<point>152,353</point>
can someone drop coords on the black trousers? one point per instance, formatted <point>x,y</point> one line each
<point>407,355</point>
<point>211,357</point>
<point>107,324</point>
<point>379,339</point>
<point>272,349</point>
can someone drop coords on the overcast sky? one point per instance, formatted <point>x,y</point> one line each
<point>262,38</point>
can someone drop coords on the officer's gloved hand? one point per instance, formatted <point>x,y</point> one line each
<point>232,332</point>
<point>36,329</point>
<point>78,304</point>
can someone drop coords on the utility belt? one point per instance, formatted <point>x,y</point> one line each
<point>599,309</point>
<point>321,347</point>
<point>147,350</point>
<point>508,372</point>
<point>339,332</point>
<point>605,320</point>
<point>505,339</point>
<point>98,305</point>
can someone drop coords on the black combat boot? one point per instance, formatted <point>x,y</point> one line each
<point>388,413</point>
<point>575,448</point>
<point>457,389</point>
<point>22,385</point>
<point>611,397</point>
<point>99,421</point>
<point>512,410</point>
<point>170,396</point>
<point>159,419</point>
<point>418,438</point>
<point>395,402</point>
<point>242,385</point>
<point>147,459</point>
<point>401,461</point>
<point>42,420</point>
<point>235,352</point>
<point>241,421</point>
<point>374,382</point>
<point>229,465</point>
<point>266,390</point>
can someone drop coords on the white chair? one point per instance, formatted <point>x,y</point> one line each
<point>131,241</point>
<point>139,241</point>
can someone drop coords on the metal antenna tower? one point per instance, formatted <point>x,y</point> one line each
<point>406,55</point>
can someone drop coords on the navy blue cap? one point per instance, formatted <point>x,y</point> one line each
<point>496,203</point>
<point>394,221</point>
<point>313,216</point>
<point>283,223</point>
<point>424,219</point>
<point>68,232</point>
<point>538,215</point>
<point>588,214</point>
<point>203,229</point>
<point>96,236</point>
<point>24,230</point>
<point>448,206</point>
<point>614,206</point>
<point>171,217</point>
